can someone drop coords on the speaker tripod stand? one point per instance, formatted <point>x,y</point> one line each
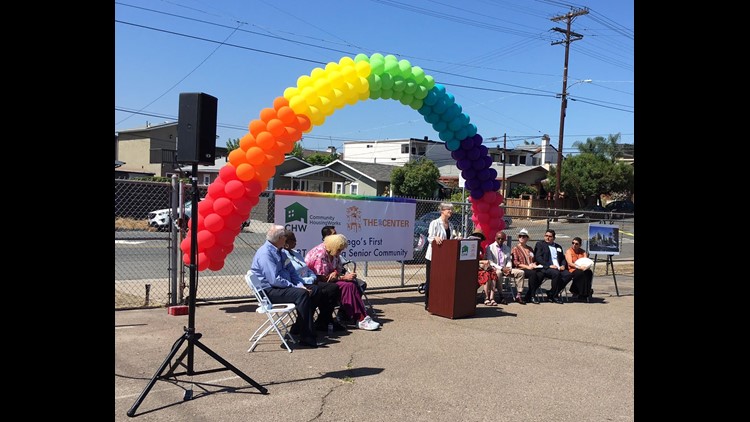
<point>190,337</point>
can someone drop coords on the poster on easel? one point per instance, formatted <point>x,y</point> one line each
<point>604,239</point>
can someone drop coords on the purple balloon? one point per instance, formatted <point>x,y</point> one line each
<point>487,185</point>
<point>487,161</point>
<point>467,144</point>
<point>463,164</point>
<point>478,164</point>
<point>469,174</point>
<point>473,184</point>
<point>482,150</point>
<point>477,193</point>
<point>496,185</point>
<point>458,154</point>
<point>483,174</point>
<point>493,173</point>
<point>473,154</point>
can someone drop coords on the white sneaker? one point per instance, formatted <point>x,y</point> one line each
<point>368,324</point>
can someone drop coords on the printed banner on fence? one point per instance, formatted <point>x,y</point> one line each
<point>377,228</point>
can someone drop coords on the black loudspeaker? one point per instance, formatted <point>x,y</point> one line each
<point>196,128</point>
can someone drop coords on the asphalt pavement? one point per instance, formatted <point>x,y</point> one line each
<point>546,362</point>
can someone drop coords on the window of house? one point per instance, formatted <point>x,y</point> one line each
<point>354,189</point>
<point>301,185</point>
<point>405,149</point>
<point>206,179</point>
<point>535,161</point>
<point>522,159</point>
<point>338,187</point>
<point>421,150</point>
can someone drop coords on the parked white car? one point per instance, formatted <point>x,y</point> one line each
<point>162,219</point>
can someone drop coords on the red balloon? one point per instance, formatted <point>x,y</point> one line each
<point>252,189</point>
<point>234,189</point>
<point>223,206</point>
<point>228,173</point>
<point>490,197</point>
<point>225,237</point>
<point>185,245</point>
<point>216,265</point>
<point>216,253</point>
<point>233,220</point>
<point>216,189</point>
<point>206,239</point>
<point>203,261</point>
<point>186,258</point>
<point>214,222</point>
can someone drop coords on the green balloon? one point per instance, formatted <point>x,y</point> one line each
<point>418,74</point>
<point>429,82</point>
<point>361,56</point>
<point>386,81</point>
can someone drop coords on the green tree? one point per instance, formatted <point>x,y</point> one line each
<point>416,179</point>
<point>608,148</point>
<point>297,151</point>
<point>232,144</point>
<point>588,175</point>
<point>321,159</point>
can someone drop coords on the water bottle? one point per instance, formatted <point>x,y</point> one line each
<point>330,328</point>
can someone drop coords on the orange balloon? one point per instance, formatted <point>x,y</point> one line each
<point>287,115</point>
<point>304,122</point>
<point>236,158</point>
<point>294,134</point>
<point>255,156</point>
<point>275,159</point>
<point>276,127</point>
<point>265,172</point>
<point>247,141</point>
<point>280,102</point>
<point>257,126</point>
<point>267,114</point>
<point>245,172</point>
<point>265,140</point>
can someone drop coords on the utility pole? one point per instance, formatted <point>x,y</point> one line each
<point>505,190</point>
<point>569,38</point>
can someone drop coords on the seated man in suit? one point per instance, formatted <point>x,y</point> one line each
<point>551,257</point>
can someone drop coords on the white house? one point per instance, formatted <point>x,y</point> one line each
<point>396,152</point>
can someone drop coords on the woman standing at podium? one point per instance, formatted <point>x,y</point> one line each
<point>440,229</point>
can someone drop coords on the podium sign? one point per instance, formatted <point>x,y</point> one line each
<point>453,278</point>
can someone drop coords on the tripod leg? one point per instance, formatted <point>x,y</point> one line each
<point>156,376</point>
<point>231,367</point>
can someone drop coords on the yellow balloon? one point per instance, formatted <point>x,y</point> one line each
<point>363,86</point>
<point>326,106</point>
<point>304,81</point>
<point>290,92</point>
<point>336,79</point>
<point>338,98</point>
<point>349,73</point>
<point>310,96</point>
<point>323,87</point>
<point>298,104</point>
<point>332,67</point>
<point>317,73</point>
<point>363,68</point>
<point>316,116</point>
<point>346,61</point>
<point>365,95</point>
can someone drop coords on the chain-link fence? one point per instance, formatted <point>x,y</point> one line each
<point>149,271</point>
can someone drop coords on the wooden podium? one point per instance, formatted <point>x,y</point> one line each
<point>453,278</point>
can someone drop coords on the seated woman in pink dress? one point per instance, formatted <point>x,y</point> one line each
<point>324,260</point>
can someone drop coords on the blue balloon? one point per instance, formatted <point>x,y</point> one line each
<point>461,133</point>
<point>439,89</point>
<point>425,109</point>
<point>446,135</point>
<point>441,126</point>
<point>472,129</point>
<point>453,145</point>
<point>431,98</point>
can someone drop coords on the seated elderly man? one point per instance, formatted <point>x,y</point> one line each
<point>283,285</point>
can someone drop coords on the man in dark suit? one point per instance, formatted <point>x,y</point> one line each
<point>551,257</point>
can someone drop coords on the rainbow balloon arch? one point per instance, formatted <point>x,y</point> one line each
<point>236,191</point>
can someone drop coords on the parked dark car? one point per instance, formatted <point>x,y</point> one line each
<point>587,214</point>
<point>621,209</point>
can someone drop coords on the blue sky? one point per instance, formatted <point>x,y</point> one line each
<point>496,57</point>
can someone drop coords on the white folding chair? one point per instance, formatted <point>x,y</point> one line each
<point>277,314</point>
